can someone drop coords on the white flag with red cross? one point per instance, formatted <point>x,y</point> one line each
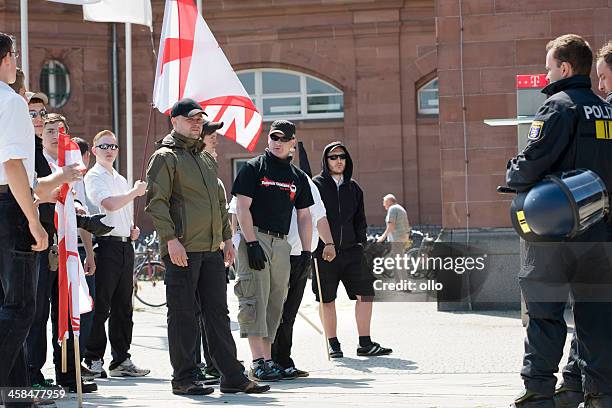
<point>74,299</point>
<point>191,64</point>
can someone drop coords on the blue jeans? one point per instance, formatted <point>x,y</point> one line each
<point>18,292</point>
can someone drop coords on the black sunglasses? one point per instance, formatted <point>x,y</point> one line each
<point>34,114</point>
<point>337,156</point>
<point>106,146</point>
<point>282,139</point>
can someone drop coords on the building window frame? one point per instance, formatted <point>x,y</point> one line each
<point>259,96</point>
<point>237,163</point>
<point>430,87</point>
<point>51,81</point>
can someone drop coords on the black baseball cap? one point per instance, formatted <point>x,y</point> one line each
<point>283,126</point>
<point>210,127</point>
<point>186,107</point>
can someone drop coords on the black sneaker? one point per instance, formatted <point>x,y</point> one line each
<point>262,373</point>
<point>286,374</point>
<point>373,349</point>
<point>191,389</point>
<point>86,386</point>
<point>201,379</point>
<point>335,351</point>
<point>211,372</point>
<point>298,373</point>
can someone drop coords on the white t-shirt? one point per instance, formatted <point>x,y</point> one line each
<point>317,211</point>
<point>16,133</point>
<point>233,209</point>
<point>101,184</point>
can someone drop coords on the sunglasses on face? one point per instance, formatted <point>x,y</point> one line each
<point>106,146</point>
<point>34,114</point>
<point>337,156</point>
<point>276,138</point>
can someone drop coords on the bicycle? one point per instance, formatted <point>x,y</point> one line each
<point>149,273</point>
<point>420,255</point>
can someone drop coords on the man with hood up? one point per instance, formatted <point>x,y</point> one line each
<point>343,199</point>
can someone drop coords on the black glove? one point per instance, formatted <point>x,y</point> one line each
<point>257,257</point>
<point>93,224</point>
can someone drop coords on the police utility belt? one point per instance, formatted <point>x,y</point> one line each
<point>559,207</point>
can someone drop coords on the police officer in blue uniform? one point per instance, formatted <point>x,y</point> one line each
<point>569,394</point>
<point>571,130</point>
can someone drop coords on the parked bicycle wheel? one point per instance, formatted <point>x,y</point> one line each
<point>149,286</point>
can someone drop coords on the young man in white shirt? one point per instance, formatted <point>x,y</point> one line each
<point>21,233</point>
<point>298,277</point>
<point>109,191</point>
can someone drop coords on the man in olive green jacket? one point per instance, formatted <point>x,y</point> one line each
<point>188,207</point>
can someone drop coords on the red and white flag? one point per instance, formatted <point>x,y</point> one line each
<point>74,299</point>
<point>191,64</point>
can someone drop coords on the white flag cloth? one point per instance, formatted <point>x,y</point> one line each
<point>191,64</point>
<point>79,2</point>
<point>120,11</point>
<point>74,299</point>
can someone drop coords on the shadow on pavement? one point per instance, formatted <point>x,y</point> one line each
<point>364,365</point>
<point>348,383</point>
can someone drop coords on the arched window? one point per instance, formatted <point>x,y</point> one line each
<point>55,82</point>
<point>280,94</point>
<point>427,97</point>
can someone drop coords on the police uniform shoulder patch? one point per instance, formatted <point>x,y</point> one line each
<point>535,131</point>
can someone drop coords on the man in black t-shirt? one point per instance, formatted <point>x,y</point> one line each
<point>267,189</point>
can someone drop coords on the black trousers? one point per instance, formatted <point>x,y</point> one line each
<point>37,338</point>
<point>201,340</point>
<point>551,272</point>
<point>69,377</point>
<point>203,279</point>
<point>113,302</point>
<point>17,293</point>
<point>281,348</point>
<point>572,376</point>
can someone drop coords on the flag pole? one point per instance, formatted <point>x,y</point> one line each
<point>64,356</point>
<point>77,366</point>
<point>128,105</point>
<point>321,310</point>
<point>25,60</point>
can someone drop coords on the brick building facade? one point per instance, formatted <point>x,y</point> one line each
<point>378,53</point>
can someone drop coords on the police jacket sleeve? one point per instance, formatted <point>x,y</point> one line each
<point>361,225</point>
<point>160,181</point>
<point>227,231</point>
<point>549,136</point>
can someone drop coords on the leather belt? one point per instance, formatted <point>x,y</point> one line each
<point>272,233</point>
<point>113,239</point>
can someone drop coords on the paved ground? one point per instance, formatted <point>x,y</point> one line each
<point>445,360</point>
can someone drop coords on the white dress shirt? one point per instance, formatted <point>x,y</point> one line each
<point>101,184</point>
<point>16,133</point>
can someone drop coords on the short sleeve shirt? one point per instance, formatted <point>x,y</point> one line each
<point>397,215</point>
<point>317,211</point>
<point>16,133</point>
<point>101,184</point>
<point>276,187</point>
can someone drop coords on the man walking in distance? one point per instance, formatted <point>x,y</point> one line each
<point>21,233</point>
<point>343,199</point>
<point>300,271</point>
<point>188,208</point>
<point>397,232</point>
<point>110,192</point>
<point>267,189</point>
